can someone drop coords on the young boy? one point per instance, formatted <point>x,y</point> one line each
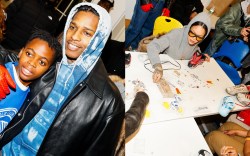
<point>39,53</point>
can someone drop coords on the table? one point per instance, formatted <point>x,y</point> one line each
<point>202,88</point>
<point>180,137</point>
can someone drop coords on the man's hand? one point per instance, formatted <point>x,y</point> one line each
<point>245,31</point>
<point>158,73</point>
<point>5,82</point>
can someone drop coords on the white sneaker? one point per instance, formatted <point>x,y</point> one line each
<point>237,89</point>
<point>243,98</point>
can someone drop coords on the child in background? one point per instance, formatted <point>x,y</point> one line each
<point>39,53</point>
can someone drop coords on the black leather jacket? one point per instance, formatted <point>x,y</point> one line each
<point>89,122</point>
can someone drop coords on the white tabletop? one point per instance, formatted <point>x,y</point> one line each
<point>180,137</point>
<point>202,88</point>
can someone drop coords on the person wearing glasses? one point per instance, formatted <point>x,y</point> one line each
<point>180,43</point>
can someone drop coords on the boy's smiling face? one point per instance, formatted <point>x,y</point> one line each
<point>34,60</point>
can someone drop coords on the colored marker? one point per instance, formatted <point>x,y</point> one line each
<point>210,82</point>
<point>177,91</point>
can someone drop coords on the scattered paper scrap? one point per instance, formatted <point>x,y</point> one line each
<point>177,91</point>
<point>147,114</point>
<point>166,105</point>
<point>210,82</point>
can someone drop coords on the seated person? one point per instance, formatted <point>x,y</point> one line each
<point>229,139</point>
<point>179,43</point>
<point>35,58</point>
<point>234,23</point>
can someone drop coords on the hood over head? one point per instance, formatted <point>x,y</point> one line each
<point>93,51</point>
<point>201,17</point>
<point>186,49</point>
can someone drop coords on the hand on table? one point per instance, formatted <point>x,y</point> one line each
<point>228,151</point>
<point>158,73</point>
<point>5,82</point>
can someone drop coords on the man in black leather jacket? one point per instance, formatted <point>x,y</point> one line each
<point>89,120</point>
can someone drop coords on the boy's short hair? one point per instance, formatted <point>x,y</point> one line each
<point>52,41</point>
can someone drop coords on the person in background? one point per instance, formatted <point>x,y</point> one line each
<point>24,16</point>
<point>142,21</point>
<point>106,4</point>
<point>74,108</point>
<point>113,53</point>
<point>179,43</point>
<point>185,10</point>
<point>39,53</point>
<point>229,140</point>
<point>234,23</point>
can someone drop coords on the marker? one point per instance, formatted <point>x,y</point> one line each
<point>210,82</point>
<point>177,91</point>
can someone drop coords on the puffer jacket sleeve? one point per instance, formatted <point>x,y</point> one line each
<point>229,23</point>
<point>135,114</point>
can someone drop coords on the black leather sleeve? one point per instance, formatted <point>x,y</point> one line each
<point>7,56</point>
<point>135,114</point>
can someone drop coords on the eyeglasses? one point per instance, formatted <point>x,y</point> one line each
<point>198,38</point>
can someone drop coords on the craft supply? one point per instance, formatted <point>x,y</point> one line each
<point>210,82</point>
<point>166,105</point>
<point>147,113</point>
<point>165,89</point>
<point>177,91</point>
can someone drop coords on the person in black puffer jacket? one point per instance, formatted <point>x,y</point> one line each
<point>23,16</point>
